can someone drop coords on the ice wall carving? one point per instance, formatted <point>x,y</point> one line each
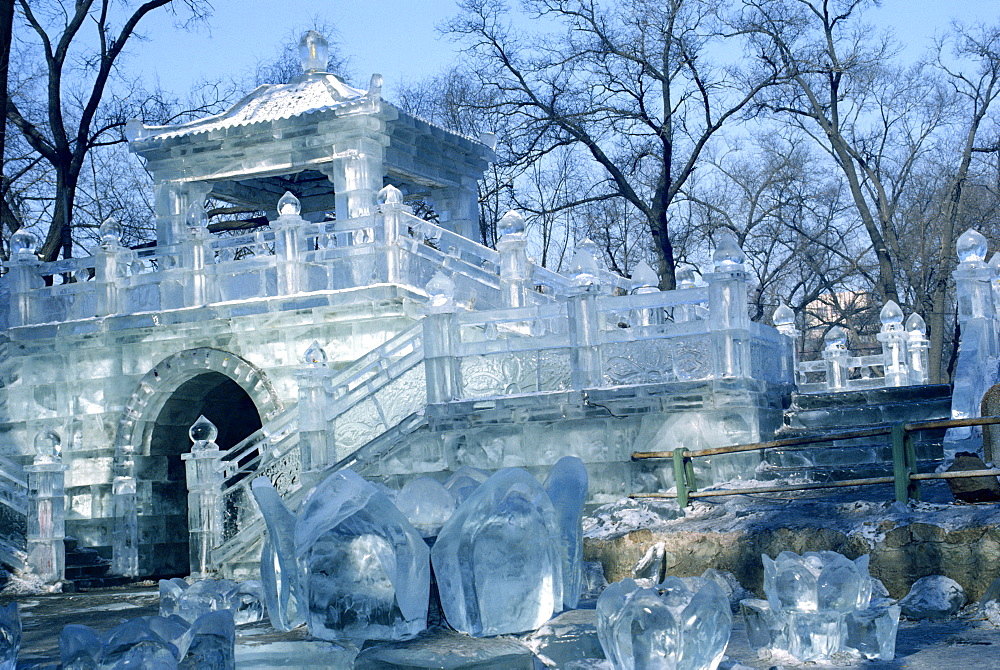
<point>679,624</point>
<point>819,604</point>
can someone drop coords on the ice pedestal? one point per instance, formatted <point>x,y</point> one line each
<point>363,568</point>
<point>245,600</point>
<point>10,636</point>
<point>819,604</point>
<point>152,643</point>
<point>498,559</point>
<point>676,625</point>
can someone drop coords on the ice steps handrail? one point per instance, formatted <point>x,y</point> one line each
<point>13,486</point>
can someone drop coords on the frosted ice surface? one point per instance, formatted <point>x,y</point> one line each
<point>246,599</point>
<point>213,642</point>
<point>816,580</point>
<point>498,560</point>
<point>135,644</point>
<point>566,487</point>
<point>279,570</point>
<point>10,636</point>
<point>464,481</point>
<point>873,631</point>
<point>933,597</point>
<point>248,602</point>
<point>363,567</point>
<point>427,504</point>
<point>729,584</point>
<point>813,636</point>
<point>676,625</point>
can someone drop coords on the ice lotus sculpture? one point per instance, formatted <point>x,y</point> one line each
<point>498,559</point>
<point>153,642</point>
<point>279,571</point>
<point>566,487</point>
<point>819,604</point>
<point>679,624</point>
<point>244,599</point>
<point>363,568</point>
<point>10,636</point>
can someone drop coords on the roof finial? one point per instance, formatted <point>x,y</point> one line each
<point>314,51</point>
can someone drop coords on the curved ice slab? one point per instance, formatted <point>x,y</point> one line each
<point>566,487</point>
<point>427,504</point>
<point>279,571</point>
<point>10,636</point>
<point>363,568</point>
<point>676,625</point>
<point>498,560</point>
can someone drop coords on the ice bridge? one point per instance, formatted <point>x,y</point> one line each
<point>347,332</point>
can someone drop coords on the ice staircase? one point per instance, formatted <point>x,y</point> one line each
<point>817,414</point>
<point>13,514</point>
<point>86,569</point>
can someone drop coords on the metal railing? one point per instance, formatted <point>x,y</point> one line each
<point>905,478</point>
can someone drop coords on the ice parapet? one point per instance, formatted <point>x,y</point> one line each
<point>566,487</point>
<point>427,504</point>
<point>279,570</point>
<point>676,625</point>
<point>245,599</point>
<point>819,604</point>
<point>363,568</point>
<point>153,643</point>
<point>10,636</point>
<point>498,560</point>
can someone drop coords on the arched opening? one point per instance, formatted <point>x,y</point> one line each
<point>164,526</point>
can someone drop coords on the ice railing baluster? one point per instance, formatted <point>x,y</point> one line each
<point>13,486</point>
<point>258,244</point>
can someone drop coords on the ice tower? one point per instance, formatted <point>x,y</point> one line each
<point>346,331</point>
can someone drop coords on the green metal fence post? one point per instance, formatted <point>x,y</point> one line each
<point>680,477</point>
<point>900,467</point>
<point>910,453</point>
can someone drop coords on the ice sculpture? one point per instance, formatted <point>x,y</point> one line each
<point>676,625</point>
<point>498,560</point>
<point>427,504</point>
<point>566,487</point>
<point>245,600</point>
<point>10,636</point>
<point>279,571</point>
<point>153,643</point>
<point>464,481</point>
<point>363,568</point>
<point>819,604</point>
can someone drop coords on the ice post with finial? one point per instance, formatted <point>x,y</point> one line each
<point>729,320</point>
<point>440,365</point>
<point>835,354</point>
<point>195,250</point>
<point>916,347</point>
<point>391,208</point>
<point>22,276</point>
<point>106,261</point>
<point>317,449</point>
<point>581,309</point>
<point>288,244</point>
<point>204,483</point>
<point>893,338</point>
<point>515,268</point>
<point>784,321</point>
<point>47,509</point>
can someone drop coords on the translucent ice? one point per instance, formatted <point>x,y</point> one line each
<point>498,560</point>
<point>145,642</point>
<point>816,580</point>
<point>873,631</point>
<point>246,600</point>
<point>279,570</point>
<point>80,647</point>
<point>677,624</point>
<point>427,504</point>
<point>464,481</point>
<point>213,642</point>
<point>10,636</point>
<point>364,569</point>
<point>566,486</point>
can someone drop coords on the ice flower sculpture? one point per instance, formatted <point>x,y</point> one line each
<point>244,599</point>
<point>154,642</point>
<point>566,487</point>
<point>279,571</point>
<point>10,636</point>
<point>498,559</point>
<point>819,604</point>
<point>679,624</point>
<point>363,568</point>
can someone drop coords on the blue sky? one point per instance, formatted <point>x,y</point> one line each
<point>397,38</point>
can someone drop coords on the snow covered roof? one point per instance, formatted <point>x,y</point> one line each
<point>307,94</point>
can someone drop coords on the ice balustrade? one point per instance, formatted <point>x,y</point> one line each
<point>903,361</point>
<point>13,511</point>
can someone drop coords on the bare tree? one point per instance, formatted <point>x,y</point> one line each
<point>78,45</point>
<point>632,83</point>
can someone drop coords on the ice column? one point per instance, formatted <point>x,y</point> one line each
<point>645,281</point>
<point>440,365</point>
<point>279,570</point>
<point>47,509</point>
<point>894,339</point>
<point>729,320</point>
<point>916,348</point>
<point>10,636</point>
<point>204,482</point>
<point>819,604</point>
<point>676,625</point>
<point>835,354</point>
<point>197,258</point>
<point>515,268</point>
<point>363,568</point>
<point>581,307</point>
<point>314,438</point>
<point>22,276</point>
<point>784,322</point>
<point>106,268</point>
<point>287,244</point>
<point>498,559</point>
<point>356,166</point>
<point>125,557</point>
<point>566,487</point>
<point>391,206</point>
